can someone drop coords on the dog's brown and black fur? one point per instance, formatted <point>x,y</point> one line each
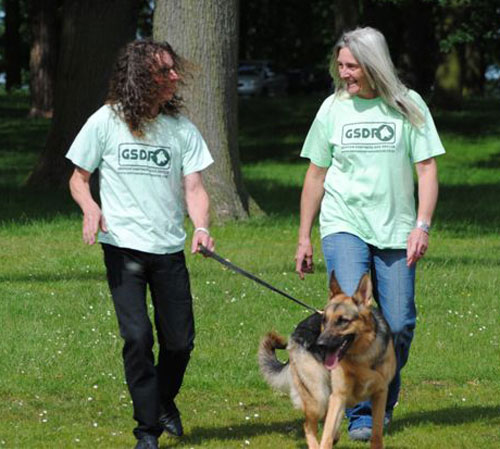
<point>336,359</point>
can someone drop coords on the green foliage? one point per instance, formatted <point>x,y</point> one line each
<point>61,380</point>
<point>473,21</point>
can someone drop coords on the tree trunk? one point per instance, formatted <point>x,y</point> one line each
<point>43,57</point>
<point>449,82</point>
<point>92,33</point>
<point>473,69</point>
<point>205,32</point>
<point>448,87</point>
<point>12,42</point>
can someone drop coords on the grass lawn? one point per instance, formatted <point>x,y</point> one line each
<point>61,380</point>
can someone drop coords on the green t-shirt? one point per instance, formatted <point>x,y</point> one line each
<point>141,179</point>
<point>369,150</point>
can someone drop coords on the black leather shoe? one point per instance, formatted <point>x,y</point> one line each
<point>147,442</point>
<point>172,424</point>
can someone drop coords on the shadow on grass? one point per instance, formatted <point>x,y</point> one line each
<point>240,433</point>
<point>294,429</point>
<point>465,207</point>
<point>23,205</point>
<point>476,119</point>
<point>493,162</point>
<point>275,198</point>
<point>14,105</point>
<point>49,277</point>
<point>269,150</point>
<point>487,261</point>
<point>275,128</point>
<point>449,416</point>
<point>243,432</point>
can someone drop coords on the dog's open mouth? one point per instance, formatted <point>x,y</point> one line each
<point>333,357</point>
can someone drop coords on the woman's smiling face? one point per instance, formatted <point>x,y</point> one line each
<point>353,75</point>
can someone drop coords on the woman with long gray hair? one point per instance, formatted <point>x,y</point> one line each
<point>362,146</point>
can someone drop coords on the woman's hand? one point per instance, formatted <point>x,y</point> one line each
<point>304,258</point>
<point>310,200</point>
<point>418,242</point>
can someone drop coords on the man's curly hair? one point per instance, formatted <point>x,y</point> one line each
<point>133,87</point>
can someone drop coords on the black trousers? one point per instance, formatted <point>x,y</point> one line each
<point>152,387</point>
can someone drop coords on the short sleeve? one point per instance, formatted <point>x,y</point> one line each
<point>195,155</point>
<point>424,141</point>
<point>317,147</point>
<point>87,149</point>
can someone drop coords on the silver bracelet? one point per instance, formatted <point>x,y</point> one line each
<point>205,230</point>
<point>423,225</point>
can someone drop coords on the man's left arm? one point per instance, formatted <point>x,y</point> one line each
<point>198,207</point>
<point>418,241</point>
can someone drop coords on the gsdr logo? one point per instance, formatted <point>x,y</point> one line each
<point>368,133</point>
<point>143,155</point>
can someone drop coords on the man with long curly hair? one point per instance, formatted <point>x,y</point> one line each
<point>150,159</point>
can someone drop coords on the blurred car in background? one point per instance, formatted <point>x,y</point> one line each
<point>492,77</point>
<point>492,73</point>
<point>260,77</point>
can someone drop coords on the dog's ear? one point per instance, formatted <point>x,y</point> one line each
<point>334,286</point>
<point>364,292</point>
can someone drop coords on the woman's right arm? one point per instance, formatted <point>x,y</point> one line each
<point>79,185</point>
<point>312,194</point>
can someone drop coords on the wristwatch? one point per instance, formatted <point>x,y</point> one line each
<point>426,227</point>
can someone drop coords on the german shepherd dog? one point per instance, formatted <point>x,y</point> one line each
<point>336,359</point>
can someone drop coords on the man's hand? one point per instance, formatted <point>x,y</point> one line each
<point>201,236</point>
<point>198,206</point>
<point>93,220</point>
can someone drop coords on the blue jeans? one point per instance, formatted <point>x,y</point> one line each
<point>394,292</point>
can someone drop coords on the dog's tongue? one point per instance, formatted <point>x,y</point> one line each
<point>332,360</point>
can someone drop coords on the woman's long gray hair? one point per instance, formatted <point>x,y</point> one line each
<point>370,49</point>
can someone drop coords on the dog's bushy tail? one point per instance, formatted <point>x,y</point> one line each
<point>276,373</point>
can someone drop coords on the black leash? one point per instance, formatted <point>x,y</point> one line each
<point>206,252</point>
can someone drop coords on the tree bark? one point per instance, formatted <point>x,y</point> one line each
<point>473,68</point>
<point>449,77</point>
<point>448,85</point>
<point>43,57</point>
<point>12,44</point>
<point>205,32</point>
<point>92,33</point>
